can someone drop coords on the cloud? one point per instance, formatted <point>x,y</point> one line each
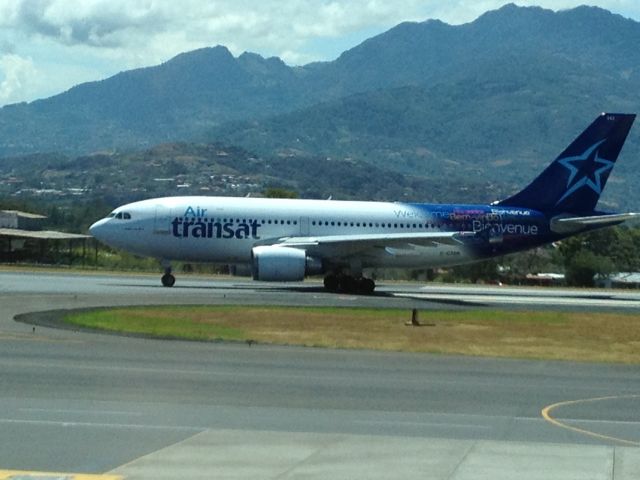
<point>113,24</point>
<point>70,41</point>
<point>266,23</point>
<point>17,76</point>
<point>158,29</point>
<point>7,47</point>
<point>97,23</point>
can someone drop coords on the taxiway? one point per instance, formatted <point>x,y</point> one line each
<point>82,402</point>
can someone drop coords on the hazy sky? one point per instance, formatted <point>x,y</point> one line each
<point>47,46</point>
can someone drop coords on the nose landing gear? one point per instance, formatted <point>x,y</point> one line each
<point>168,280</point>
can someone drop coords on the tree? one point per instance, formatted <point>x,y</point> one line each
<point>600,252</point>
<point>276,192</point>
<point>486,270</point>
<point>582,267</point>
<point>518,265</point>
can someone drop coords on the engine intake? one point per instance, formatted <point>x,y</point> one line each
<point>282,264</point>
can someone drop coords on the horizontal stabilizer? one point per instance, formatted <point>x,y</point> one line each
<point>573,224</point>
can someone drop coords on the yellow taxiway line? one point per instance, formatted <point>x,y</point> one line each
<point>546,414</point>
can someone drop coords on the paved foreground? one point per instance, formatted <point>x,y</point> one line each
<point>144,409</point>
<point>269,455</point>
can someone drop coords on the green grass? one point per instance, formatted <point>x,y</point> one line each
<point>587,336</point>
<point>173,322</point>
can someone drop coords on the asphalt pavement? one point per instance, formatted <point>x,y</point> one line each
<point>135,408</point>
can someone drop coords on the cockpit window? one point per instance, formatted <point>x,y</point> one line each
<point>120,215</point>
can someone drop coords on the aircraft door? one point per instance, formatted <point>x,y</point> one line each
<point>304,226</point>
<point>162,220</point>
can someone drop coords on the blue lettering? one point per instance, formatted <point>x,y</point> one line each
<point>197,212</point>
<point>185,227</point>
<point>199,227</point>
<point>228,231</point>
<point>242,231</point>
<point>254,229</point>
<point>176,222</point>
<point>199,230</point>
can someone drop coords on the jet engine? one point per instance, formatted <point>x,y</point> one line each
<point>282,264</point>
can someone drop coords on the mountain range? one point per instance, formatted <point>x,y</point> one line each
<point>493,100</point>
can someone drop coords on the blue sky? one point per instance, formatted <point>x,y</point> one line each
<point>48,46</point>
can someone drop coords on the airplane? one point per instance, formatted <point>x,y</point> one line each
<point>285,240</point>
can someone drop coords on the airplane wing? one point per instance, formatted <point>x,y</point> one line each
<point>345,245</point>
<point>570,224</point>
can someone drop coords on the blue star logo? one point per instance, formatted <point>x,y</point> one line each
<point>592,159</point>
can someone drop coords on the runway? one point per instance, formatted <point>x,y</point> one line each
<point>135,408</point>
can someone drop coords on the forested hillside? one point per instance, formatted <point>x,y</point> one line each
<point>489,102</point>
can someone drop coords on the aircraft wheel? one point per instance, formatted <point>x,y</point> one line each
<point>168,280</point>
<point>331,283</point>
<point>367,286</point>
<point>348,284</point>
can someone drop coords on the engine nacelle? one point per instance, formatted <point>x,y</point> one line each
<point>282,264</point>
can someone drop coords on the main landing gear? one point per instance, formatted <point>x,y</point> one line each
<point>168,280</point>
<point>347,284</point>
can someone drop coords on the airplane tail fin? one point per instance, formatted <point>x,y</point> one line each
<point>574,181</point>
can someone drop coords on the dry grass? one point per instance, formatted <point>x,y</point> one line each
<point>607,337</point>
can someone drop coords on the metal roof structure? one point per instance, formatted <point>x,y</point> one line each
<point>41,234</point>
<point>24,214</point>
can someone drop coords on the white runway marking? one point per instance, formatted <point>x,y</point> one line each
<point>511,299</point>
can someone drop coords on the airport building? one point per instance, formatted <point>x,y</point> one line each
<point>22,239</point>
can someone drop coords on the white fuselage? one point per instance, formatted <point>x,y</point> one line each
<point>225,229</point>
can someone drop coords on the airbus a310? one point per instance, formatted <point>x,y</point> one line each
<point>285,240</point>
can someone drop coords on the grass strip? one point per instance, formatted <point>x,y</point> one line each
<point>601,337</point>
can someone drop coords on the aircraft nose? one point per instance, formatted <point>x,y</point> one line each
<point>97,229</point>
